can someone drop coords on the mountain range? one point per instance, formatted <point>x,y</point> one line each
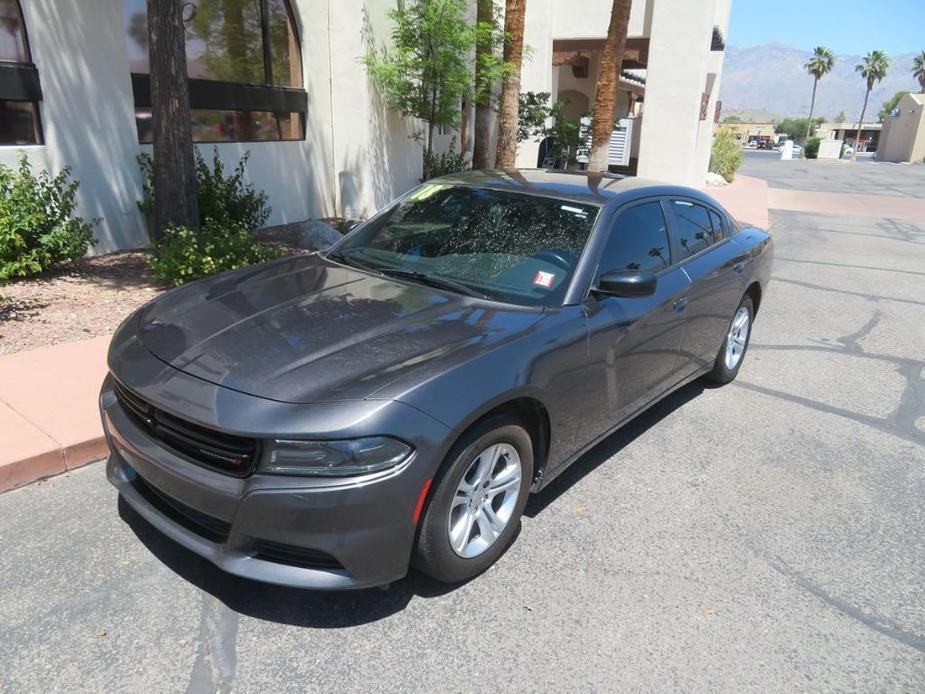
<point>770,81</point>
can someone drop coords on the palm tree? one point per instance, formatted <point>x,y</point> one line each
<point>482,135</point>
<point>174,165</point>
<point>606,92</point>
<point>818,66</point>
<point>514,13</point>
<point>918,69</point>
<point>873,68</point>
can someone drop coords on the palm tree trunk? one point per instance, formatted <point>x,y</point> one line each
<point>174,166</point>
<point>857,140</point>
<point>514,13</point>
<point>482,128</point>
<point>812,107</point>
<point>602,118</point>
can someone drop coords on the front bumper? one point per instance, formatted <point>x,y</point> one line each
<point>294,531</point>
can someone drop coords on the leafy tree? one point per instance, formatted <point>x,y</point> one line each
<point>918,69</point>
<point>490,70</point>
<point>514,15</point>
<point>873,68</point>
<point>602,116</point>
<point>538,119</point>
<point>425,73</point>
<point>818,66</point>
<point>174,165</point>
<point>732,119</point>
<point>890,104</point>
<point>841,117</point>
<point>795,128</point>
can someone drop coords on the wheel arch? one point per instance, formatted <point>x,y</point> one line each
<point>754,291</point>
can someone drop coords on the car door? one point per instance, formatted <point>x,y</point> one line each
<point>714,266</point>
<point>633,343</point>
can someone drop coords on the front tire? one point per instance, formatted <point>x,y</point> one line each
<point>475,510</point>
<point>732,351</point>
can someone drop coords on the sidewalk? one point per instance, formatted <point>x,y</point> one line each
<point>49,421</point>
<point>746,199</point>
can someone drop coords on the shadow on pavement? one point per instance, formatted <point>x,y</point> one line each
<point>612,445</point>
<point>333,610</point>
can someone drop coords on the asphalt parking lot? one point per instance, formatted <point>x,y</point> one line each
<point>765,535</point>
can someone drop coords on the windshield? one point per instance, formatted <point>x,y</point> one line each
<point>510,247</point>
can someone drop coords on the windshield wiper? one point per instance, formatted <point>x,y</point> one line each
<point>439,282</point>
<point>339,257</point>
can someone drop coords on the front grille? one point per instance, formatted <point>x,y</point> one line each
<point>234,455</point>
<point>291,555</point>
<point>204,525</point>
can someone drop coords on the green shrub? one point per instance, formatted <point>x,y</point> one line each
<point>446,163</point>
<point>726,157</point>
<point>37,226</point>
<point>227,200</point>
<point>184,255</point>
<point>811,149</point>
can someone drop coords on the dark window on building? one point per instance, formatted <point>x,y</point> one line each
<point>20,91</point>
<point>693,227</point>
<point>639,240</point>
<point>244,65</point>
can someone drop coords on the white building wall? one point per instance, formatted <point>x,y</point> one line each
<point>356,156</point>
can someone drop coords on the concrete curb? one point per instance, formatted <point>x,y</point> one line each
<point>49,421</point>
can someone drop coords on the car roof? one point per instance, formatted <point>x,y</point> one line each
<point>576,186</point>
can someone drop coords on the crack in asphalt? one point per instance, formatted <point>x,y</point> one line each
<point>216,659</point>
<point>901,422</point>
<point>878,623</point>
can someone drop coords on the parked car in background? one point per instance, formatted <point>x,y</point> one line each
<point>325,421</point>
<point>765,144</point>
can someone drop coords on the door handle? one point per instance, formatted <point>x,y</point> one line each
<point>680,304</point>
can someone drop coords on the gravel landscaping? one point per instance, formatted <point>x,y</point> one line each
<point>87,298</point>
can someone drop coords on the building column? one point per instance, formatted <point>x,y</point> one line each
<point>675,142</point>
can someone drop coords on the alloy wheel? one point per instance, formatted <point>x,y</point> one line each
<point>737,338</point>
<point>485,500</point>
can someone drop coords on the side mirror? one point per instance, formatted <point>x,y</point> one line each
<point>627,283</point>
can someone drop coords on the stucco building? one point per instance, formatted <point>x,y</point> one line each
<point>289,88</point>
<point>903,135</point>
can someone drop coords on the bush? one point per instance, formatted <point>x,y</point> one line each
<point>37,226</point>
<point>449,162</point>
<point>184,255</point>
<point>726,157</point>
<point>229,201</point>
<point>811,149</point>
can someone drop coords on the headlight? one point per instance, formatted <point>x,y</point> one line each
<point>336,458</point>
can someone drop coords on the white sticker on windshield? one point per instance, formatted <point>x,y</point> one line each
<point>544,279</point>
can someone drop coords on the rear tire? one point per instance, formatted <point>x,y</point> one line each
<point>735,345</point>
<point>475,510</point>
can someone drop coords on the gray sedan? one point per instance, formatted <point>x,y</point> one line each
<point>326,421</point>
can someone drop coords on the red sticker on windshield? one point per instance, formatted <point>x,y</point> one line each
<point>544,279</point>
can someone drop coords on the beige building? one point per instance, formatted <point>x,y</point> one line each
<point>848,132</point>
<point>666,99</point>
<point>74,91</point>
<point>745,132</point>
<point>903,136</point>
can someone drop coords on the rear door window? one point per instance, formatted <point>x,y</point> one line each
<point>693,228</point>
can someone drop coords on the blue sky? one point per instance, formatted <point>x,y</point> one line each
<point>846,26</point>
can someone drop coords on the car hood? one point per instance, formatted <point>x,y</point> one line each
<point>304,329</point>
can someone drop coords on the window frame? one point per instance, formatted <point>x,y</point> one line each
<point>611,229</point>
<point>19,81</point>
<point>222,95</point>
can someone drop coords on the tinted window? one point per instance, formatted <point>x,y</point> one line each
<point>693,227</point>
<point>513,247</point>
<point>639,241</point>
<point>244,42</point>
<point>19,120</point>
